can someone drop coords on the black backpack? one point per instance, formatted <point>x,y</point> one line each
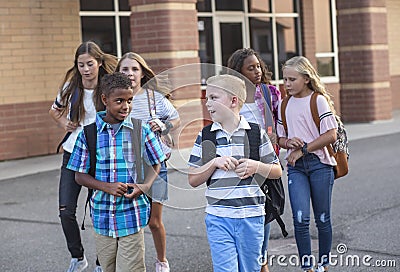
<point>272,188</point>
<point>90,132</point>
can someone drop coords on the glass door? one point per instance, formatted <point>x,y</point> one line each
<point>230,36</point>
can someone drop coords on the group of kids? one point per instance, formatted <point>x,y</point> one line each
<point>99,89</point>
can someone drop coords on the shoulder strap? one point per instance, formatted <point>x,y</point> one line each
<point>317,121</point>
<point>74,98</point>
<point>90,132</point>
<point>267,95</point>
<point>283,113</point>
<point>314,110</point>
<point>137,147</point>
<point>208,150</point>
<point>254,140</point>
<point>151,101</point>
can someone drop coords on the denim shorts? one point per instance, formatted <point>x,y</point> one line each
<point>159,190</point>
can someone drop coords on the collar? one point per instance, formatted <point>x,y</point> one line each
<point>243,124</point>
<point>101,125</point>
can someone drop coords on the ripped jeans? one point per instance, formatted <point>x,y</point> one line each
<point>68,198</point>
<point>311,179</point>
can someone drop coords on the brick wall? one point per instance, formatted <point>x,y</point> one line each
<point>365,93</point>
<point>38,39</point>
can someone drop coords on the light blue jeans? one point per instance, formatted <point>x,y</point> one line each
<point>235,243</point>
<point>311,179</point>
<point>264,248</point>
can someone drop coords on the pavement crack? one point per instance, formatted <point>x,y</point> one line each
<point>28,221</point>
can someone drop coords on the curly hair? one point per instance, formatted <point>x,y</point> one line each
<point>113,81</point>
<point>236,60</point>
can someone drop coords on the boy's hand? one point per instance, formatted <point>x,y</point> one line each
<point>246,168</point>
<point>115,188</point>
<point>133,191</point>
<point>226,163</point>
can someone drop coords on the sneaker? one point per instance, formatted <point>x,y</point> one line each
<point>321,269</point>
<point>162,266</point>
<point>98,269</point>
<point>77,266</point>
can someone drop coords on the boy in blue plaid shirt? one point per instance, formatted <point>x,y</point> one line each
<point>119,207</point>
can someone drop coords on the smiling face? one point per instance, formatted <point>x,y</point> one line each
<point>295,83</point>
<point>118,105</point>
<point>88,68</point>
<point>252,69</point>
<point>133,69</point>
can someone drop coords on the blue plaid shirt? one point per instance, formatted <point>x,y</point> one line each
<point>116,216</point>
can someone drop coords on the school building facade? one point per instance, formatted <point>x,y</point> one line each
<point>354,44</point>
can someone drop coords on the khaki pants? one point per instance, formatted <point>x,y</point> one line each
<point>122,254</point>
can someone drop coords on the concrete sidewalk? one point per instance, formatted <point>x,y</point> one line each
<point>23,167</point>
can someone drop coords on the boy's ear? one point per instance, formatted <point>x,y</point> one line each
<point>235,101</point>
<point>104,99</point>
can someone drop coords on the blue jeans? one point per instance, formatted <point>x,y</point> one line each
<point>311,179</point>
<point>264,248</point>
<point>235,243</point>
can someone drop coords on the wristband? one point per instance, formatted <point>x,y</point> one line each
<point>168,126</point>
<point>304,149</point>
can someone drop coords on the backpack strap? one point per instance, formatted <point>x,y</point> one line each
<point>268,115</point>
<point>317,121</point>
<point>137,147</point>
<point>90,132</point>
<point>74,98</point>
<point>283,113</point>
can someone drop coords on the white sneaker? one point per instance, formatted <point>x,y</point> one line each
<point>98,269</point>
<point>162,266</point>
<point>320,269</point>
<point>77,266</point>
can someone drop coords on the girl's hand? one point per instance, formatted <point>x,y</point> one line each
<point>294,156</point>
<point>226,163</point>
<point>115,188</point>
<point>70,126</point>
<point>294,143</point>
<point>246,168</point>
<point>156,125</point>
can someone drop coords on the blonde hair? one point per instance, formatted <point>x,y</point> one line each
<point>304,67</point>
<point>231,85</point>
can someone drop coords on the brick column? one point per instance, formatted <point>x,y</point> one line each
<point>364,61</point>
<point>165,34</point>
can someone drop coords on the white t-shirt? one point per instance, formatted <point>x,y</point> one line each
<point>90,117</point>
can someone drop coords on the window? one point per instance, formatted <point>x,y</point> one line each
<point>325,35</point>
<point>106,22</point>
<point>271,27</point>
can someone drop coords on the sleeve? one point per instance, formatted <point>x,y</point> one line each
<point>168,110</point>
<point>267,152</point>
<point>195,159</point>
<point>80,159</point>
<point>154,153</point>
<point>326,116</point>
<point>57,101</point>
<point>280,130</point>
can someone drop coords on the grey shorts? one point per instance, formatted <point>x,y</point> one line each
<point>159,190</point>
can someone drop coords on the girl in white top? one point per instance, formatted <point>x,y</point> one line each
<point>153,107</point>
<point>75,107</point>
<point>310,168</point>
